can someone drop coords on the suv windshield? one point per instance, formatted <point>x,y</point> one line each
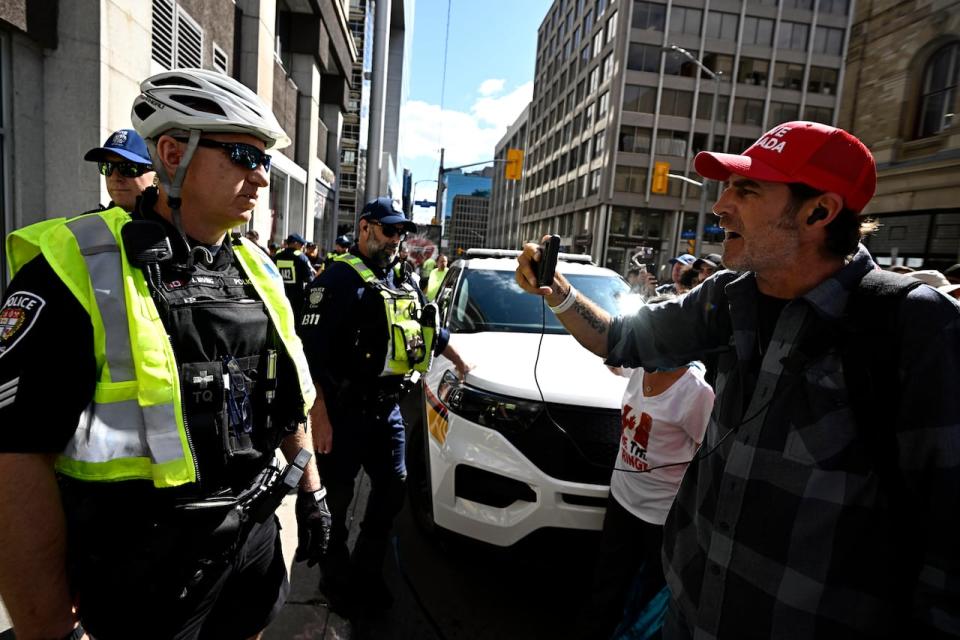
<point>492,301</point>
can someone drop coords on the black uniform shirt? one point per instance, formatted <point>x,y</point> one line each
<point>47,366</point>
<point>294,280</point>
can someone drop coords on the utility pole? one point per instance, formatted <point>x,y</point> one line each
<point>438,209</point>
<point>378,99</point>
<point>715,76</point>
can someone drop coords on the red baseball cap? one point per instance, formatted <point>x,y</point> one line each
<point>818,155</point>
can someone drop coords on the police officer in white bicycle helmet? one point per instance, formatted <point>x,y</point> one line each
<point>138,481</point>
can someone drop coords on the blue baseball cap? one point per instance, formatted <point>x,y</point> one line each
<point>126,143</point>
<point>343,241</point>
<point>295,237</point>
<point>385,212</point>
<point>685,258</point>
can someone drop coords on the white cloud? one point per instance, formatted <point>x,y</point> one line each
<point>467,137</point>
<point>491,86</point>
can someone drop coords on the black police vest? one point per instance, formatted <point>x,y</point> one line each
<point>219,328</point>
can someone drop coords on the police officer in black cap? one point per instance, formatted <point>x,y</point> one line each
<point>297,272</point>
<point>340,246</point>
<point>350,310</point>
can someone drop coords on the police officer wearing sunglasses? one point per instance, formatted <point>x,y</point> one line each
<point>138,483</point>
<point>365,332</point>
<point>124,162</point>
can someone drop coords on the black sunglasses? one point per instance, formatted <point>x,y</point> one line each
<point>390,231</point>
<point>125,168</point>
<point>240,153</point>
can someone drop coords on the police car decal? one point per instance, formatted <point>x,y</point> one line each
<point>17,316</point>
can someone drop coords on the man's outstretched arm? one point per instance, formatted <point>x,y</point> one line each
<point>584,319</point>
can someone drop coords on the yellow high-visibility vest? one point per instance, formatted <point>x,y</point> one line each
<point>134,427</point>
<point>409,343</point>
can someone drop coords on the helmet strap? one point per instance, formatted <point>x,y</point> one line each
<point>173,187</point>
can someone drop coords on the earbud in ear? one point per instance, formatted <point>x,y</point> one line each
<point>819,213</point>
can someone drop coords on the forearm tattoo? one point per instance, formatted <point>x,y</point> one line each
<point>586,311</point>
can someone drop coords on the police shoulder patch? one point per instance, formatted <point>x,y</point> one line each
<point>316,295</point>
<point>17,316</point>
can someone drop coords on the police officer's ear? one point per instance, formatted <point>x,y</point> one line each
<point>170,151</point>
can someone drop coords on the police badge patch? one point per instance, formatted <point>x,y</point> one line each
<point>17,317</point>
<point>316,295</point>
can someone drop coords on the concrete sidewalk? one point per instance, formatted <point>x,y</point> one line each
<point>307,615</point>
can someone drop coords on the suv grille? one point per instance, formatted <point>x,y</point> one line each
<point>595,431</point>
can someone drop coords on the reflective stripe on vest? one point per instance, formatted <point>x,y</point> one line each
<point>133,428</point>
<point>102,254</point>
<point>269,285</point>
<point>111,428</point>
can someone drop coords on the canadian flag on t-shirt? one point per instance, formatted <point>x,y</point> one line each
<point>636,434</point>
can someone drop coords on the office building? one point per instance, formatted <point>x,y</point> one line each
<point>611,99</point>
<point>901,98</point>
<point>468,222</point>
<point>459,182</point>
<point>353,152</point>
<point>503,227</point>
<point>392,42</point>
<point>72,69</point>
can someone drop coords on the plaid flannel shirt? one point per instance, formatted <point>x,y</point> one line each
<point>784,531</point>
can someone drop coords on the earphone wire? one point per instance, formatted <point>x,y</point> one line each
<point>546,408</point>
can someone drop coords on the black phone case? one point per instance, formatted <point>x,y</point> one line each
<point>548,262</point>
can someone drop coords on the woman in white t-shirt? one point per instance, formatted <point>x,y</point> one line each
<point>664,417</point>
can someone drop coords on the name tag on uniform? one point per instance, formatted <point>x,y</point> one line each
<point>287,271</point>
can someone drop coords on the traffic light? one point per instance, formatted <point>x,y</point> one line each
<point>513,170</point>
<point>660,171</point>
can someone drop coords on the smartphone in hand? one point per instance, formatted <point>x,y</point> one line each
<point>547,266</point>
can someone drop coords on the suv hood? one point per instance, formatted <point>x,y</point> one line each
<point>568,374</point>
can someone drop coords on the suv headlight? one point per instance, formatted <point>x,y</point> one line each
<point>502,413</point>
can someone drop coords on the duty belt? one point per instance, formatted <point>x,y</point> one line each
<point>253,506</point>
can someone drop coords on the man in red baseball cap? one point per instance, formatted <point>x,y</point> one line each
<point>818,178</point>
<point>818,503</point>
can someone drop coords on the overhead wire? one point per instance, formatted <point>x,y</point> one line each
<point>443,75</point>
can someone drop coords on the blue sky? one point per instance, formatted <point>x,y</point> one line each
<point>490,61</point>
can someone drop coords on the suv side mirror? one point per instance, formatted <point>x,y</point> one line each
<point>443,300</point>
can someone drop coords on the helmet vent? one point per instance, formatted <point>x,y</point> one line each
<point>143,110</point>
<point>175,81</point>
<point>199,104</point>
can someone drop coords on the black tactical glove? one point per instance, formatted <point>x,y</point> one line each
<point>313,526</point>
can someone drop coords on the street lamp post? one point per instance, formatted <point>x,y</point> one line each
<point>715,76</point>
<point>420,182</point>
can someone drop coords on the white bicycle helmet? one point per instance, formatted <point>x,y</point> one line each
<point>198,99</point>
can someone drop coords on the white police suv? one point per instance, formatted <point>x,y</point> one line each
<point>528,440</point>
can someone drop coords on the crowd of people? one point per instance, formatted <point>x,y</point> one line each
<point>788,464</point>
<point>686,272</point>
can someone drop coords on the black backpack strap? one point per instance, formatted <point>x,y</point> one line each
<point>871,359</point>
<point>871,366</point>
